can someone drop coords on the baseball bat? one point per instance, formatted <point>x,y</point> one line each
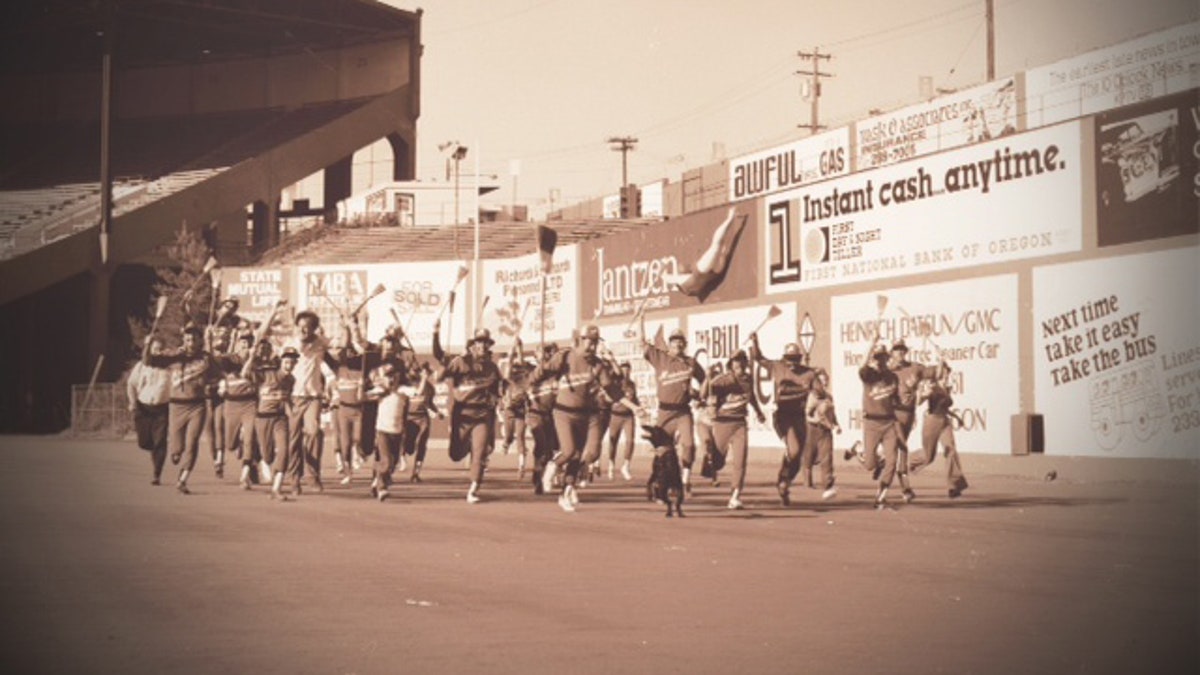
<point>637,314</point>
<point>922,327</point>
<point>482,305</point>
<point>266,324</point>
<point>159,308</point>
<point>773,312</point>
<point>379,289</point>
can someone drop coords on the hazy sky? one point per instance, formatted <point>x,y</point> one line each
<point>546,82</point>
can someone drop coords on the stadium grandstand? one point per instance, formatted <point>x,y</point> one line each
<point>127,119</point>
<point>213,109</point>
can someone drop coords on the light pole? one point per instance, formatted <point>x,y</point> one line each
<point>458,152</point>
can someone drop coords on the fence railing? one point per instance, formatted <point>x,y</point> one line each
<point>104,414</point>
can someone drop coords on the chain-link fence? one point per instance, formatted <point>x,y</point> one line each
<point>104,414</point>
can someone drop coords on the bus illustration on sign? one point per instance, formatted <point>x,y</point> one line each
<point>1126,397</point>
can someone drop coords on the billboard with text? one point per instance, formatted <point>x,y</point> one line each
<point>702,257</point>
<point>715,336</point>
<point>1162,63</point>
<point>978,205</point>
<point>513,287</point>
<point>413,294</point>
<point>971,116</point>
<point>973,322</point>
<point>783,167</point>
<point>1117,355</point>
<point>257,289</point>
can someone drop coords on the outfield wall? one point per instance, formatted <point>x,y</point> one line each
<point>1056,265</point>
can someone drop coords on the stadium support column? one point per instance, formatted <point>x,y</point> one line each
<point>265,231</point>
<point>337,186</point>
<point>403,158</point>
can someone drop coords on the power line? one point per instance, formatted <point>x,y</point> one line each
<point>902,27</point>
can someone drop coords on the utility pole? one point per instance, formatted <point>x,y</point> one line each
<point>990,14</point>
<point>816,57</point>
<point>623,144</point>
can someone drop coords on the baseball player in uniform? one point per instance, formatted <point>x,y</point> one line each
<point>239,404</point>
<point>421,408</point>
<point>576,412</point>
<point>674,371</point>
<point>624,407</point>
<point>792,379</point>
<point>822,422</point>
<point>734,394</point>
<point>474,381</point>
<point>937,428</point>
<point>539,418</point>
<point>908,377</point>
<point>192,373</point>
<point>274,383</point>
<point>879,422</point>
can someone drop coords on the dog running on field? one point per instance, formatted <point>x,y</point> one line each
<point>666,482</point>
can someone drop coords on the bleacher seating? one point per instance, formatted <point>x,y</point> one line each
<point>45,193</point>
<point>326,245</point>
<point>32,218</point>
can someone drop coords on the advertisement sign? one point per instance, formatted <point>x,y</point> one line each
<point>257,289</point>
<point>677,264</point>
<point>1163,63</point>
<point>1117,355</point>
<point>1010,199</point>
<point>973,322</point>
<point>791,165</point>
<point>972,116</point>
<point>715,336</point>
<point>413,293</point>
<point>513,287</point>
<point>652,199</point>
<point>1146,174</point>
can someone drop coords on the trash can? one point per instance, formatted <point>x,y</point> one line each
<point>1028,435</point>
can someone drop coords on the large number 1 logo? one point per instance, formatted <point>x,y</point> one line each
<point>785,263</point>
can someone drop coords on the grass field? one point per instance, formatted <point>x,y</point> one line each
<point>1094,572</point>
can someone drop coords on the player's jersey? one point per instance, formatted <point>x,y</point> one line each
<point>879,392</point>
<point>673,378</point>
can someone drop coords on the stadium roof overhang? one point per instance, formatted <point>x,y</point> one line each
<point>64,35</point>
<point>57,36</point>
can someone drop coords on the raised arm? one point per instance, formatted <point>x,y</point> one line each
<point>439,354</point>
<point>756,354</point>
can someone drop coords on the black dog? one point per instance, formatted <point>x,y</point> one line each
<point>666,481</point>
